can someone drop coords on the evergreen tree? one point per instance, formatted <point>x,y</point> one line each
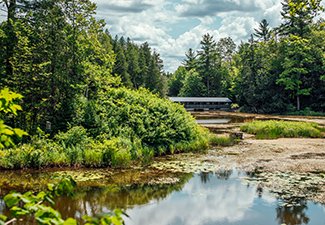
<point>226,48</point>
<point>297,56</point>
<point>209,63</point>
<point>121,65</point>
<point>190,62</point>
<point>298,16</point>
<point>263,32</point>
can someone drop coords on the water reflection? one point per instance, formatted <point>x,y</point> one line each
<point>296,214</point>
<point>213,121</point>
<point>206,198</point>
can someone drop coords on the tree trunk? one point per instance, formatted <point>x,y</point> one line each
<point>298,103</point>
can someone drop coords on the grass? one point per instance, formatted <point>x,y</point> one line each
<point>273,129</point>
<point>223,141</point>
<point>75,148</point>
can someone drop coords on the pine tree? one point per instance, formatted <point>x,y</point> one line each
<point>209,63</point>
<point>298,16</point>
<point>190,62</point>
<point>263,32</point>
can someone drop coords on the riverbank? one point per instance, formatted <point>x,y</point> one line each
<point>291,167</point>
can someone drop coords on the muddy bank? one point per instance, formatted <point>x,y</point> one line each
<point>291,168</point>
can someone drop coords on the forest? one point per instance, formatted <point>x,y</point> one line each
<point>75,97</point>
<point>87,94</point>
<point>278,70</point>
<point>71,95</point>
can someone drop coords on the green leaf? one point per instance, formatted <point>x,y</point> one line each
<point>70,221</point>
<point>20,132</point>
<point>12,199</point>
<point>17,211</point>
<point>2,218</point>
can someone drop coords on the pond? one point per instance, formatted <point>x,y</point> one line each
<point>225,197</point>
<point>221,120</point>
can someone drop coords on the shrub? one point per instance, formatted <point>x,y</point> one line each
<point>142,116</point>
<point>274,129</point>
<point>129,125</point>
<point>74,136</point>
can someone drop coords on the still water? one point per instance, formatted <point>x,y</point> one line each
<point>222,120</point>
<point>199,199</point>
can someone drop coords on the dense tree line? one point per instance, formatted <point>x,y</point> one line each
<point>139,66</point>
<point>60,58</point>
<point>276,70</point>
<point>205,72</point>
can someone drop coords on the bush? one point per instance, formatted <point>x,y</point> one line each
<point>275,129</point>
<point>74,136</point>
<point>142,116</point>
<point>129,125</point>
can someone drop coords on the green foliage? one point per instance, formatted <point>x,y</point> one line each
<point>215,140</point>
<point>138,66</point>
<point>176,82</point>
<point>296,59</point>
<point>114,217</point>
<point>8,105</point>
<point>37,206</point>
<point>275,129</point>
<point>263,32</point>
<point>305,112</point>
<point>282,66</point>
<point>74,136</point>
<point>207,74</point>
<point>193,85</point>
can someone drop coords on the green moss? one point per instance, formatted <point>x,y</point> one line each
<point>275,129</point>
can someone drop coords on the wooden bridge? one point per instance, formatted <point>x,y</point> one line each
<point>203,103</point>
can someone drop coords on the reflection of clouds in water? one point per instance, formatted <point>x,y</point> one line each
<point>199,203</point>
<point>2,206</point>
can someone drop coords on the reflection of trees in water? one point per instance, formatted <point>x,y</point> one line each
<point>259,190</point>
<point>2,206</point>
<point>224,174</point>
<point>295,215</point>
<point>205,177</point>
<point>93,201</point>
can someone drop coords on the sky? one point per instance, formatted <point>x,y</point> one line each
<point>173,26</point>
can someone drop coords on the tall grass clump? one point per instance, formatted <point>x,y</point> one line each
<point>273,129</point>
<point>223,141</point>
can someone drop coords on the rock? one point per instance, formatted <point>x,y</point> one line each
<point>236,135</point>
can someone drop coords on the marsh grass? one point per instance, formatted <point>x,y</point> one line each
<point>223,141</point>
<point>272,129</point>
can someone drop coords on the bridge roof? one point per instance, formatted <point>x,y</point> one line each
<point>200,99</point>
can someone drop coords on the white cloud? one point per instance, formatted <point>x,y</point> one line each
<point>155,22</point>
<point>216,202</point>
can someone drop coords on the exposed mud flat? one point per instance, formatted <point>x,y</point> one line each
<point>290,167</point>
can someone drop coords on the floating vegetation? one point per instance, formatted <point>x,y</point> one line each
<point>188,166</point>
<point>291,187</point>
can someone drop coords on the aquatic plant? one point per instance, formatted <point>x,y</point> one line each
<point>37,206</point>
<point>272,129</point>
